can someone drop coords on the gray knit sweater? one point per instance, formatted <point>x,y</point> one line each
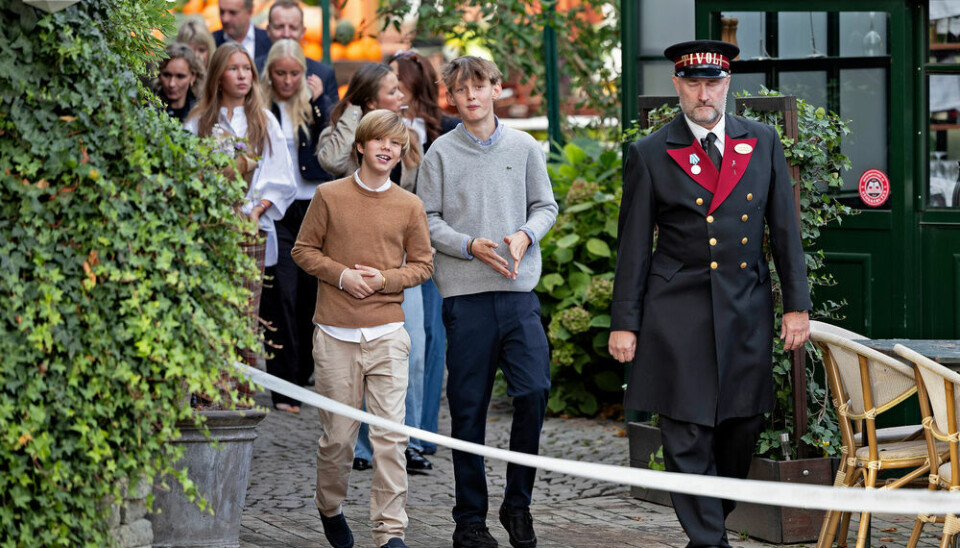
<point>472,191</point>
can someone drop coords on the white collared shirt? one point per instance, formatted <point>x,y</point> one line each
<point>353,334</point>
<point>700,132</point>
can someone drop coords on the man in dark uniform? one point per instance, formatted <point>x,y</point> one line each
<point>698,312</point>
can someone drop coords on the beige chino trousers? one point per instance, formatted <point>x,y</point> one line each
<point>347,372</point>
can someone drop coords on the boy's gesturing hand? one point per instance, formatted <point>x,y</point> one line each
<point>483,249</point>
<point>518,242</point>
<point>355,284</point>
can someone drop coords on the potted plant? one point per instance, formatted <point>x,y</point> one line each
<point>815,151</point>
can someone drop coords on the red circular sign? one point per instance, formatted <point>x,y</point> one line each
<point>874,187</point>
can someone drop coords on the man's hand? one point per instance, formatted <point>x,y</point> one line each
<point>355,284</point>
<point>795,329</point>
<point>484,250</point>
<point>519,241</point>
<point>372,276</point>
<point>316,86</point>
<point>622,345</point>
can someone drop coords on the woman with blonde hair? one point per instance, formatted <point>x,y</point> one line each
<point>193,32</point>
<point>179,81</point>
<point>232,110</point>
<point>288,302</point>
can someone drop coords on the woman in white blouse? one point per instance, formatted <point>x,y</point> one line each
<point>232,109</point>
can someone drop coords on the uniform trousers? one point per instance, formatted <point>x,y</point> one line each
<point>288,302</point>
<point>486,331</point>
<point>348,372</point>
<point>724,450</point>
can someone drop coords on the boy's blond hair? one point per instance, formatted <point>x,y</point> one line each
<point>382,123</point>
<point>468,66</point>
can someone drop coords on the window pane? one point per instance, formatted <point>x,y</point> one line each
<point>809,86</point>
<point>655,78</point>
<point>802,34</point>
<point>944,31</point>
<point>750,30</point>
<point>863,33</point>
<point>665,23</point>
<point>944,188</point>
<point>739,83</point>
<point>863,100</point>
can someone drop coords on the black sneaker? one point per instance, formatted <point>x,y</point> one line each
<point>416,464</point>
<point>361,464</point>
<point>337,531</point>
<point>519,525</point>
<point>473,535</point>
<point>395,542</point>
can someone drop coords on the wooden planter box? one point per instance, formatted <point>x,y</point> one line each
<point>770,523</point>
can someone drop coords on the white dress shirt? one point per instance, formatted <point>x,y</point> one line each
<point>273,178</point>
<point>700,132</point>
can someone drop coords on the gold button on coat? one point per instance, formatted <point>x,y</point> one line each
<point>749,197</point>
<point>709,218</point>
<point>743,241</point>
<point>743,265</point>
<point>699,201</point>
<point>713,265</point>
<point>713,241</point>
<point>744,218</point>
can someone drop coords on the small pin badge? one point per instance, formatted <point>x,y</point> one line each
<point>743,148</point>
<point>694,164</point>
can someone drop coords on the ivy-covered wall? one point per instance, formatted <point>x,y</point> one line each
<point>120,270</point>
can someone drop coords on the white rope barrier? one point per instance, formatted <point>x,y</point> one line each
<point>884,501</point>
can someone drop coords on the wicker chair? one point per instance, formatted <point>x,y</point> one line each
<point>865,383</point>
<point>939,391</point>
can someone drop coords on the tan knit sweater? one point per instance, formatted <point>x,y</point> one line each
<point>347,225</point>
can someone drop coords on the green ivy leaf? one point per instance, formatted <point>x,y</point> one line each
<point>598,247</point>
<point>568,241</point>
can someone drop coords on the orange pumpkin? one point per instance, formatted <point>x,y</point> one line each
<point>342,90</point>
<point>211,14</point>
<point>338,51</point>
<point>313,50</point>
<point>365,49</point>
<point>193,7</point>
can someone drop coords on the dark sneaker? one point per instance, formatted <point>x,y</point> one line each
<point>416,464</point>
<point>337,531</point>
<point>519,525</point>
<point>395,542</point>
<point>473,535</point>
<point>361,464</point>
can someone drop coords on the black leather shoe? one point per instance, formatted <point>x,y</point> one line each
<point>395,542</point>
<point>473,535</point>
<point>416,464</point>
<point>361,464</point>
<point>519,525</point>
<point>337,531</point>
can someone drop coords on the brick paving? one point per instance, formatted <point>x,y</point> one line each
<point>568,511</point>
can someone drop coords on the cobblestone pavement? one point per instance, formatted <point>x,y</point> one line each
<point>568,511</point>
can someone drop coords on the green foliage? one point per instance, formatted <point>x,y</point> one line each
<point>577,283</point>
<point>512,32</point>
<point>817,153</point>
<point>656,460</point>
<point>120,268</point>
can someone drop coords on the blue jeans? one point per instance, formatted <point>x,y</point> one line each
<point>413,323</point>
<point>434,361</point>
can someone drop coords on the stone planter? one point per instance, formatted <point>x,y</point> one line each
<point>770,523</point>
<point>220,473</point>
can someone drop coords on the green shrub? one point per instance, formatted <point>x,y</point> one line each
<point>577,282</point>
<point>120,268</point>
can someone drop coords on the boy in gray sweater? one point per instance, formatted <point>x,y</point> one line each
<point>489,201</point>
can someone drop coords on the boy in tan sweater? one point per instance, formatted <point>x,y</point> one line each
<point>366,240</point>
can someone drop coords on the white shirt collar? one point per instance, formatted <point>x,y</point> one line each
<point>249,42</point>
<point>700,132</point>
<point>382,188</point>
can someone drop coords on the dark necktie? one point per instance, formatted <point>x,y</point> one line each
<point>709,144</point>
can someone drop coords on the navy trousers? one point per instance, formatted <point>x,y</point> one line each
<point>486,331</point>
<point>723,450</point>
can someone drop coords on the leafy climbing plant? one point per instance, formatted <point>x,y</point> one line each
<point>120,268</point>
